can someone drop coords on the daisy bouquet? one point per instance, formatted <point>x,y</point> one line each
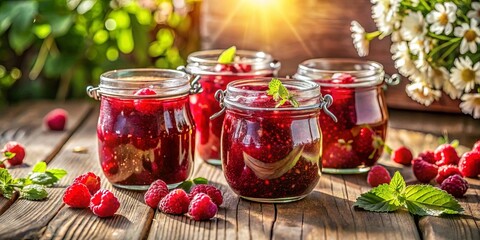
<point>435,44</point>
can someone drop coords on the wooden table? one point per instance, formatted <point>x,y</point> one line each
<point>327,213</point>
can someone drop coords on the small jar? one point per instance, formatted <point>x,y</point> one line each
<point>215,76</point>
<point>271,154</point>
<point>145,129</point>
<point>356,141</point>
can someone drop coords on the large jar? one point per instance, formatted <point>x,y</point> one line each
<point>269,153</point>
<point>215,76</point>
<point>356,141</point>
<point>145,129</point>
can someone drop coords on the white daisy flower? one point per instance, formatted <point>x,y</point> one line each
<point>475,12</point>
<point>360,41</point>
<point>421,62</point>
<point>419,44</point>
<point>471,104</point>
<point>470,35</point>
<point>413,26</point>
<point>385,15</point>
<point>442,18</point>
<point>403,60</point>
<point>465,74</point>
<point>438,76</point>
<point>422,93</point>
<point>450,89</point>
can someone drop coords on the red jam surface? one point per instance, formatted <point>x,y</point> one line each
<point>204,105</point>
<point>271,155</point>
<point>143,140</point>
<point>357,138</point>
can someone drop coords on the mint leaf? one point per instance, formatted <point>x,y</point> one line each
<point>227,56</point>
<point>57,173</point>
<point>379,199</point>
<point>5,177</point>
<point>46,179</point>
<point>33,192</point>
<point>426,200</point>
<point>186,185</point>
<point>280,93</point>
<point>40,167</point>
<point>7,191</point>
<point>397,183</point>
<point>200,180</point>
<point>9,155</point>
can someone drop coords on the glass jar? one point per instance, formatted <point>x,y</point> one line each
<point>356,141</point>
<point>145,129</point>
<point>271,154</point>
<point>215,76</point>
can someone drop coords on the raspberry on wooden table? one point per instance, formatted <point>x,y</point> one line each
<point>446,154</point>
<point>455,185</point>
<point>104,203</point>
<point>77,195</point>
<point>16,148</point>
<point>176,202</point>
<point>211,191</point>
<point>446,171</point>
<point>378,175</point>
<point>155,193</point>
<point>56,119</point>
<point>402,155</point>
<point>90,180</point>
<point>423,170</point>
<point>469,164</point>
<point>202,207</point>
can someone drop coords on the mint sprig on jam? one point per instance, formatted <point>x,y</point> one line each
<point>227,56</point>
<point>33,186</point>
<point>418,199</point>
<point>280,93</point>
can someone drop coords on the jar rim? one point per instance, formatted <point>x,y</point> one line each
<point>367,73</point>
<point>307,93</point>
<point>124,82</point>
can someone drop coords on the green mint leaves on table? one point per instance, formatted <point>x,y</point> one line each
<point>280,93</point>
<point>33,186</point>
<point>227,56</point>
<point>187,184</point>
<point>418,199</point>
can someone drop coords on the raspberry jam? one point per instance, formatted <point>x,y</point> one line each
<point>215,76</point>
<point>356,141</point>
<point>145,129</point>
<point>271,154</point>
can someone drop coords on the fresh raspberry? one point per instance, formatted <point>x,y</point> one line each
<point>176,202</point>
<point>469,164</point>
<point>90,180</point>
<point>378,175</point>
<point>77,196</point>
<point>428,156</point>
<point>446,154</point>
<point>211,191</point>
<point>455,185</point>
<point>17,149</point>
<point>202,207</point>
<point>104,203</point>
<point>340,155</point>
<point>476,147</point>
<point>56,119</point>
<point>423,170</point>
<point>155,193</point>
<point>446,171</point>
<point>402,155</point>
<point>145,106</point>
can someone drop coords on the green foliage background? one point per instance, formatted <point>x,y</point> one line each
<point>56,48</point>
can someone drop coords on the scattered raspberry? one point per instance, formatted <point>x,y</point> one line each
<point>455,185</point>
<point>104,203</point>
<point>202,207</point>
<point>423,170</point>
<point>77,196</point>
<point>428,156</point>
<point>446,154</point>
<point>476,147</point>
<point>155,193</point>
<point>469,164</point>
<point>176,202</point>
<point>211,191</point>
<point>90,180</point>
<point>447,171</point>
<point>378,175</point>
<point>56,119</point>
<point>145,106</point>
<point>17,149</point>
<point>402,155</point>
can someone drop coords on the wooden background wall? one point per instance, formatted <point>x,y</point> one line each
<point>299,30</point>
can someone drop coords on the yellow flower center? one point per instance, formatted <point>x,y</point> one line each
<point>443,19</point>
<point>468,75</point>
<point>470,35</point>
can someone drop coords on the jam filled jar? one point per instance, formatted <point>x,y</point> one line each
<point>145,129</point>
<point>356,141</point>
<point>215,76</point>
<point>270,153</point>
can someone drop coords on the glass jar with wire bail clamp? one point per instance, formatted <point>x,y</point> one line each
<point>271,148</point>
<point>215,74</point>
<point>145,129</point>
<point>357,141</point>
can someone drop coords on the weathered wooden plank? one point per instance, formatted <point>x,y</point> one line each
<point>24,123</point>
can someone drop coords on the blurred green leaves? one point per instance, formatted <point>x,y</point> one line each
<point>55,48</point>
